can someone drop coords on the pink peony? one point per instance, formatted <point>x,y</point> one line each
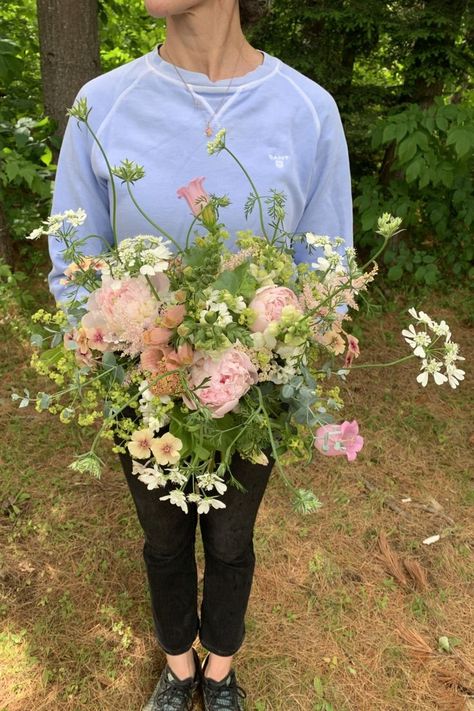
<point>268,303</point>
<point>120,311</point>
<point>231,376</point>
<point>334,440</point>
<point>195,195</point>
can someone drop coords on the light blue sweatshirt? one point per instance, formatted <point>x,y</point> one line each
<point>284,128</point>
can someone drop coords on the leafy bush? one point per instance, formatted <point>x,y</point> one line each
<point>430,186</point>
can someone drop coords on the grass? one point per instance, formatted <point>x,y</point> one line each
<point>330,607</point>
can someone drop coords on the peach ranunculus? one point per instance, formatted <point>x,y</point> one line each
<point>195,195</point>
<point>268,304</point>
<point>230,377</point>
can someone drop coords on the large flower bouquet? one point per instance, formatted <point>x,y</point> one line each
<point>228,351</point>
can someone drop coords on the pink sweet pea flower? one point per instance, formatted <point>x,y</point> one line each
<point>195,195</point>
<point>268,303</point>
<point>334,440</point>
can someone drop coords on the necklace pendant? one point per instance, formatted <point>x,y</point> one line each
<point>208,130</point>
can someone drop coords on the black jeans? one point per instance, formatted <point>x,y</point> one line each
<point>169,553</point>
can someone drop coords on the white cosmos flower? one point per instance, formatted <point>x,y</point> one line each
<point>178,498</point>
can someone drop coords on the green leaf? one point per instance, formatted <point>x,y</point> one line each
<point>463,140</point>
<point>238,282</point>
<point>109,360</point>
<point>407,149</point>
<point>395,272</point>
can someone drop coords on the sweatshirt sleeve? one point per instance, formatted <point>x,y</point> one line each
<point>77,186</point>
<point>328,209</point>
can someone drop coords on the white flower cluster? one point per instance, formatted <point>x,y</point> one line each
<point>155,477</point>
<point>388,225</point>
<point>150,408</point>
<point>54,225</point>
<point>142,254</point>
<point>434,357</point>
<point>217,144</point>
<point>332,260</point>
<point>216,311</point>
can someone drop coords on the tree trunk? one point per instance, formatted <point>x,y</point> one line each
<point>6,243</point>
<point>69,48</point>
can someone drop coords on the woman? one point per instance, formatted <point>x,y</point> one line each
<point>161,110</point>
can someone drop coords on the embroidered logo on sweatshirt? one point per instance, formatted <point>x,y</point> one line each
<point>279,160</point>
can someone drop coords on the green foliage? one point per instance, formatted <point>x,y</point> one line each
<point>126,31</point>
<point>26,168</point>
<point>430,187</point>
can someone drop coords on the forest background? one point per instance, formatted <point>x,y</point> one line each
<point>350,610</point>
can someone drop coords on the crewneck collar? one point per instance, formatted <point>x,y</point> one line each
<point>200,81</point>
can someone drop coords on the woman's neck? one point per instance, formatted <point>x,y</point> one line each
<point>211,42</point>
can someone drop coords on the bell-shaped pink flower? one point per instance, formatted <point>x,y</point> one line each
<point>353,350</point>
<point>173,316</point>
<point>335,440</point>
<point>195,195</point>
<point>156,336</point>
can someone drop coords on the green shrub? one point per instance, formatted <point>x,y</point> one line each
<point>430,186</point>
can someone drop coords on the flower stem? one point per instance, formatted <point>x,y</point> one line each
<point>150,221</point>
<point>381,365</point>
<point>112,183</point>
<point>259,200</point>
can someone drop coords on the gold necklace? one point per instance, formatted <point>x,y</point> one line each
<point>208,130</point>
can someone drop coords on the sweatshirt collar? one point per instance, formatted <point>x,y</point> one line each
<point>200,81</point>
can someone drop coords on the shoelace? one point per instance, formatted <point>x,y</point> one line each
<point>226,697</point>
<point>174,696</point>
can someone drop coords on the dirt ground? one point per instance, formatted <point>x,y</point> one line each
<point>348,604</point>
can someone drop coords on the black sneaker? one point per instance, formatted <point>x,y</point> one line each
<point>172,693</point>
<point>224,695</point>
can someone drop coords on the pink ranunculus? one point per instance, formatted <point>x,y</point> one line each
<point>268,303</point>
<point>195,195</point>
<point>173,316</point>
<point>230,377</point>
<point>334,440</point>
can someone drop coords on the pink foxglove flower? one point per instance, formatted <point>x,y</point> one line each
<point>195,195</point>
<point>173,316</point>
<point>353,350</point>
<point>334,440</point>
<point>229,378</point>
<point>268,303</point>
